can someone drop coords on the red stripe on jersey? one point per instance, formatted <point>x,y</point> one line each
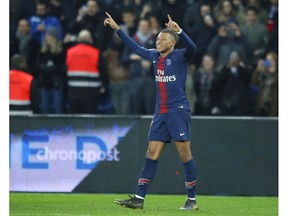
<point>162,87</point>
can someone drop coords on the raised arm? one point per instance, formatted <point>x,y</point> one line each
<point>189,44</point>
<point>139,50</point>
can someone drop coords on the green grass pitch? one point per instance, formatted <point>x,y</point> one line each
<point>58,204</point>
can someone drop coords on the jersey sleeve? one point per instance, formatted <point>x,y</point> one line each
<point>134,47</point>
<point>190,46</point>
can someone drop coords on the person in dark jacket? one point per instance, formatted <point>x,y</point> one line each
<point>51,71</point>
<point>234,82</point>
<point>24,44</point>
<point>203,31</point>
<point>90,17</point>
<point>230,38</point>
<point>142,84</point>
<point>206,88</point>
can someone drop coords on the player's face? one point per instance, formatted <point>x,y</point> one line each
<point>164,42</point>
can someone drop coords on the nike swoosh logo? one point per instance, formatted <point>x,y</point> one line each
<point>154,62</point>
<point>182,134</point>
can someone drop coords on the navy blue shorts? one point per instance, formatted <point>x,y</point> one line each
<point>170,126</point>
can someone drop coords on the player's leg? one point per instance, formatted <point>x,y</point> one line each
<point>158,135</point>
<point>185,155</point>
<point>155,149</point>
<point>146,176</point>
<point>149,169</point>
<point>179,125</point>
<point>157,131</point>
<point>183,150</point>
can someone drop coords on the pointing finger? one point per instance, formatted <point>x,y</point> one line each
<point>169,17</point>
<point>108,15</point>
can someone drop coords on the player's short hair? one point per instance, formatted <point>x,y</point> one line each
<point>171,33</point>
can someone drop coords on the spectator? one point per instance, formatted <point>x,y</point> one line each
<point>225,11</point>
<point>41,22</point>
<point>175,9</point>
<point>151,8</point>
<point>61,10</point>
<point>77,5</point>
<point>230,38</point>
<point>117,7</point>
<point>272,20</point>
<point>146,10</point>
<point>142,83</point>
<point>191,96</point>
<point>234,82</point>
<point>27,9</point>
<point>256,33</point>
<point>206,89</point>
<point>129,26</point>
<point>203,31</point>
<point>119,83</point>
<point>118,73</point>
<point>191,16</point>
<point>272,26</point>
<point>25,45</point>
<point>51,71</point>
<point>272,45</point>
<point>265,79</point>
<point>23,89</point>
<point>85,85</point>
<point>91,18</point>
<point>240,11</point>
<point>262,12</point>
<point>154,24</point>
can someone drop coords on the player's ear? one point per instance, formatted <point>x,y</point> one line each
<point>173,43</point>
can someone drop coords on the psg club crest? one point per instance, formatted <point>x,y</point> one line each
<point>168,62</point>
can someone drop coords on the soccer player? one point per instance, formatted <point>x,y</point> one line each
<point>172,117</point>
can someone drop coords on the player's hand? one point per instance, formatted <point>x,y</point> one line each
<point>110,21</point>
<point>172,25</point>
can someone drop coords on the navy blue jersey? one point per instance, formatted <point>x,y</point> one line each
<point>170,73</point>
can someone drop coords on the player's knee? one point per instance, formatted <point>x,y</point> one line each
<point>184,156</point>
<point>152,154</point>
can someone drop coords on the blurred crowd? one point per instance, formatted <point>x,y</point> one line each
<point>77,65</point>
